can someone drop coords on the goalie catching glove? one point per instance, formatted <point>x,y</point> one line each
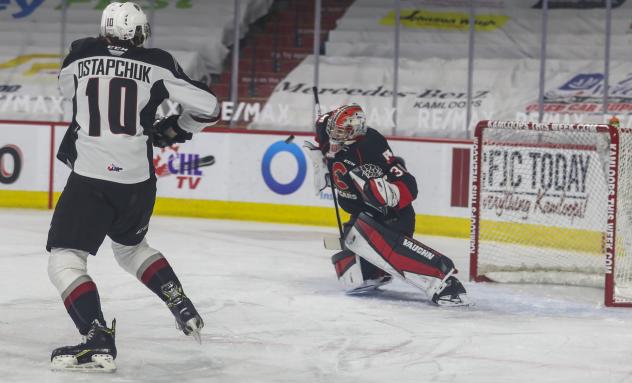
<point>167,132</point>
<point>382,192</point>
<point>375,188</point>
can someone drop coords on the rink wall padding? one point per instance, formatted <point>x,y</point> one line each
<point>256,175</point>
<point>301,215</point>
<point>24,199</point>
<point>259,176</point>
<point>305,215</point>
<point>587,241</point>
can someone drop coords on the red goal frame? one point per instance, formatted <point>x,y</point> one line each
<point>613,180</point>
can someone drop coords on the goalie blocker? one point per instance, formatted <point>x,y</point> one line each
<point>404,258</point>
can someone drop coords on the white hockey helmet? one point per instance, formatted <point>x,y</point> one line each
<point>108,13</point>
<point>125,21</point>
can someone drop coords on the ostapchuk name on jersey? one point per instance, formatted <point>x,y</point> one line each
<point>114,68</point>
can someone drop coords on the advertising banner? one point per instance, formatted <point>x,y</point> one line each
<point>264,168</point>
<point>194,26</point>
<point>579,4</point>
<point>239,169</point>
<point>28,83</point>
<point>195,32</point>
<point>555,186</point>
<point>513,18</point>
<point>432,98</point>
<point>24,157</point>
<point>502,4</point>
<point>510,29</point>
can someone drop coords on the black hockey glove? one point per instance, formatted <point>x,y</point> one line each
<point>166,132</point>
<point>67,152</point>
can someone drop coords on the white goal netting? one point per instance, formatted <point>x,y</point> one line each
<point>544,206</point>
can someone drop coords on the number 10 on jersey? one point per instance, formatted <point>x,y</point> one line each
<point>121,105</point>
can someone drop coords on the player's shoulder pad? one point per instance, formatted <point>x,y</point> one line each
<point>164,59</point>
<point>82,48</point>
<point>374,140</point>
<point>370,132</point>
<point>158,57</point>
<point>77,45</point>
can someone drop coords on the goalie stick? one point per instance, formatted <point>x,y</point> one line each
<point>330,243</point>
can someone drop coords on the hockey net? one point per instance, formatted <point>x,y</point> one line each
<point>552,203</point>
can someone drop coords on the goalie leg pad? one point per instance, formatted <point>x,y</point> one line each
<point>399,255</point>
<point>356,275</point>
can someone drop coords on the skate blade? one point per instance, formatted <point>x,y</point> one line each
<point>100,363</point>
<point>194,329</point>
<point>463,302</point>
<point>367,288</point>
<point>197,336</point>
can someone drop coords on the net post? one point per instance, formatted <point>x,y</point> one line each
<point>477,151</point>
<point>611,228</point>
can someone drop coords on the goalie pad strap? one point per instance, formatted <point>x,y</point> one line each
<point>357,275</point>
<point>342,261</point>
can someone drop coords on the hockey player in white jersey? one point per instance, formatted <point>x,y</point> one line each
<point>116,86</point>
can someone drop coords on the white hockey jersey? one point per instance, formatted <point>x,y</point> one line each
<point>115,93</point>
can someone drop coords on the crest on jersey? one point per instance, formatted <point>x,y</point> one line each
<point>370,171</point>
<point>114,168</point>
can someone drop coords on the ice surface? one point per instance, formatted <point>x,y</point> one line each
<point>274,313</point>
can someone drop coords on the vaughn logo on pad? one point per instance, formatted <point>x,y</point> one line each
<point>417,249</point>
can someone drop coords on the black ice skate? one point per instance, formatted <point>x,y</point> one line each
<point>452,294</point>
<point>95,354</point>
<point>187,318</point>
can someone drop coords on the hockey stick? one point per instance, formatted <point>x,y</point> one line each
<point>330,243</point>
<point>201,163</point>
<point>206,161</point>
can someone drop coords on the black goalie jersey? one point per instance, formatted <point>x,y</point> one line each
<point>116,92</point>
<point>371,148</point>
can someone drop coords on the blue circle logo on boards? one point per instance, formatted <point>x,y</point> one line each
<point>295,151</point>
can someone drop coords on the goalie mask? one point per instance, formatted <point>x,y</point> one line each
<point>344,126</point>
<point>125,22</point>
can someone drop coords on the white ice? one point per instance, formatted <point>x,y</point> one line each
<point>274,313</point>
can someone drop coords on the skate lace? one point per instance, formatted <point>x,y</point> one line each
<point>90,334</point>
<point>176,300</point>
<point>98,327</point>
